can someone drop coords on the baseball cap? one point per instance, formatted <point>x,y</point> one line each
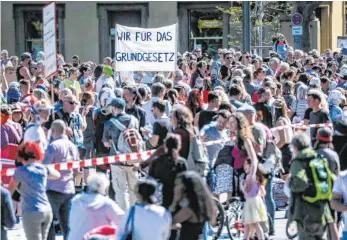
<point>117,103</point>
<point>13,93</point>
<point>246,109</point>
<point>42,105</point>
<point>315,81</point>
<point>25,55</point>
<point>4,52</point>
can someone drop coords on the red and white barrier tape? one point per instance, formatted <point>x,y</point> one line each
<point>133,156</point>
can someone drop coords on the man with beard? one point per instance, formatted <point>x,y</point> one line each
<point>132,100</point>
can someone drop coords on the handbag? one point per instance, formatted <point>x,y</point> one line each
<point>129,234</point>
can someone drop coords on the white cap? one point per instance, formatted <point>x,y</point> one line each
<point>4,51</point>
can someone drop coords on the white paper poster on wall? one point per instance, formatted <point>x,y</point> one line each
<point>146,49</point>
<point>50,39</point>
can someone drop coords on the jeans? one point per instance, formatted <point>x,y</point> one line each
<point>60,203</point>
<point>36,224</point>
<point>269,200</point>
<point>89,150</point>
<point>211,179</point>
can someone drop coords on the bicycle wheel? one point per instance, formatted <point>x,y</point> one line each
<point>216,230</point>
<point>233,220</point>
<point>291,229</point>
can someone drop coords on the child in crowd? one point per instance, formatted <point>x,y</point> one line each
<point>254,211</point>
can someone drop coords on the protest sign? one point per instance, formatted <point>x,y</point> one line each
<point>50,39</point>
<point>141,49</point>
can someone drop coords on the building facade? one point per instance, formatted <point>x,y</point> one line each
<point>88,28</point>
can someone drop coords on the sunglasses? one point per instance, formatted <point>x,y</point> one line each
<point>46,111</point>
<point>72,103</point>
<point>246,56</point>
<point>228,58</point>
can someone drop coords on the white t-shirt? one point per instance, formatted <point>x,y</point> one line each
<point>35,133</point>
<point>150,222</point>
<point>341,189</point>
<point>101,81</point>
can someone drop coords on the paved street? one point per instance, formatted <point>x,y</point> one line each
<point>18,232</point>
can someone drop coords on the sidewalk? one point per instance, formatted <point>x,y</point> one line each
<point>18,233</point>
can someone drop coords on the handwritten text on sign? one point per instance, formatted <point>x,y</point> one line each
<point>140,49</point>
<point>49,39</point>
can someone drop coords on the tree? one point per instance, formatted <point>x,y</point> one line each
<point>307,10</point>
<point>264,15</point>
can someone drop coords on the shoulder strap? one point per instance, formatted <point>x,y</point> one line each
<point>59,114</point>
<point>120,126</point>
<point>130,220</point>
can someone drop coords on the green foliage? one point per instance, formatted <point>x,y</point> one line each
<point>265,15</point>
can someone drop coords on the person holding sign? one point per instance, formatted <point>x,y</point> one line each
<point>197,78</point>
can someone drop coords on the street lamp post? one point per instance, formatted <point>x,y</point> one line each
<point>246,26</point>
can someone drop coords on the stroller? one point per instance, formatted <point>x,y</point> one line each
<point>281,199</point>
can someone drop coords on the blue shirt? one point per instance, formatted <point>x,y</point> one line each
<point>33,182</point>
<point>148,78</point>
<point>342,85</point>
<point>61,150</point>
<point>58,106</point>
<point>212,133</point>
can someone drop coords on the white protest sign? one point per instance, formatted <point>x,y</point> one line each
<point>50,39</point>
<point>142,49</point>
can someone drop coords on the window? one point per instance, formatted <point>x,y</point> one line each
<point>206,30</point>
<point>33,29</point>
<point>129,18</point>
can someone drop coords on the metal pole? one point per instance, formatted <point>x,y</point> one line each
<point>246,26</point>
<point>260,29</point>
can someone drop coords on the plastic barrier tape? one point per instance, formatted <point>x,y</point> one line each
<point>135,156</point>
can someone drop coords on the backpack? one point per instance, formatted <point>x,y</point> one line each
<point>130,140</point>
<point>197,158</point>
<point>272,155</point>
<point>320,181</point>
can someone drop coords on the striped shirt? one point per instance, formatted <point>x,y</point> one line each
<point>299,107</point>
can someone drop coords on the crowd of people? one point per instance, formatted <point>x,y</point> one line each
<point>92,110</point>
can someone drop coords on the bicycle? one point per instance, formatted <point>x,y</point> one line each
<point>234,219</point>
<point>220,220</point>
